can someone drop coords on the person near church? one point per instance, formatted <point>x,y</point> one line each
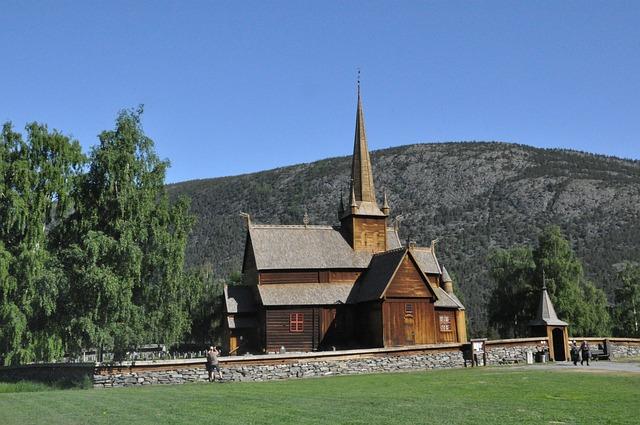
<point>575,355</point>
<point>213,365</point>
<point>585,351</point>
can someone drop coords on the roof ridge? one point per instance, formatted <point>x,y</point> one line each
<point>389,251</point>
<point>422,248</point>
<point>293,226</point>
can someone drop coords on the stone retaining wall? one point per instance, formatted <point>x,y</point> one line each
<point>267,372</point>
<point>511,351</point>
<point>295,365</point>
<point>625,349</point>
<point>619,347</point>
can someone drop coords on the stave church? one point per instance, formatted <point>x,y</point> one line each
<point>354,285</point>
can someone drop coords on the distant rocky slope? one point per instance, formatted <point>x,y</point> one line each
<point>472,196</point>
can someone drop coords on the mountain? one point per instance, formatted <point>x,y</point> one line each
<point>472,196</point>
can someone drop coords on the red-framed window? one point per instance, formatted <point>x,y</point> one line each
<point>296,322</point>
<point>408,309</point>
<point>445,323</point>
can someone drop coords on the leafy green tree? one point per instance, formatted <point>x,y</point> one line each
<point>207,313</point>
<point>595,318</point>
<point>124,252</point>
<point>576,300</point>
<point>519,273</point>
<point>627,296</point>
<point>512,304</point>
<point>36,179</point>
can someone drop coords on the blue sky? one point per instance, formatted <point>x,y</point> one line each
<point>236,87</point>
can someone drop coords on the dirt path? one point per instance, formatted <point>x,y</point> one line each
<point>595,366</point>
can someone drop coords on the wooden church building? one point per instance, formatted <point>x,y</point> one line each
<point>308,287</point>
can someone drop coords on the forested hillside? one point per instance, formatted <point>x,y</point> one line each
<point>472,196</point>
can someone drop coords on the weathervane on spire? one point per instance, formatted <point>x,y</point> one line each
<point>358,81</point>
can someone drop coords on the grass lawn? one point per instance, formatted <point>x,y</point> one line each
<point>23,387</point>
<point>478,395</point>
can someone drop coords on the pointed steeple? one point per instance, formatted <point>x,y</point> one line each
<point>363,225</point>
<point>361,164</point>
<point>546,313</point>
<point>362,187</point>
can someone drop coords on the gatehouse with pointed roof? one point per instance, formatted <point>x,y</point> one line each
<point>308,287</point>
<point>547,324</point>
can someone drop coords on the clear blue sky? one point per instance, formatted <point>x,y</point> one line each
<point>234,87</point>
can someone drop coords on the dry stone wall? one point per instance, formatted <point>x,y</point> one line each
<point>268,372</point>
<point>624,349</point>
<point>504,354</point>
<point>295,366</point>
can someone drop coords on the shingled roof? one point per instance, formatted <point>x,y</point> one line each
<point>393,240</point>
<point>446,300</point>
<point>305,293</point>
<point>303,247</point>
<point>377,277</point>
<point>445,275</point>
<point>546,313</point>
<point>426,260</point>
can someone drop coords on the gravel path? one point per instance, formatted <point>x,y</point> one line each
<point>595,366</point>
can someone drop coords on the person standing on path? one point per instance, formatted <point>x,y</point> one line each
<point>213,364</point>
<point>586,352</point>
<point>574,353</point>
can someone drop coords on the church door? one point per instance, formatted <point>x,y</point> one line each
<point>558,345</point>
<point>409,330</point>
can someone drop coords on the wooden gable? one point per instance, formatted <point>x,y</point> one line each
<point>408,281</point>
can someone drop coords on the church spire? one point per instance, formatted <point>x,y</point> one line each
<point>361,172</point>
<point>363,224</point>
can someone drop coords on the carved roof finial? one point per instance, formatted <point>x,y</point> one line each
<point>385,204</point>
<point>305,219</point>
<point>247,218</point>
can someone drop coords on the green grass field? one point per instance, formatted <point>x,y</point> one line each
<point>479,396</point>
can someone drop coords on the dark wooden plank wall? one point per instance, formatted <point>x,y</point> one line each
<point>245,340</point>
<point>336,326</point>
<point>324,327</point>
<point>408,281</point>
<point>278,334</point>
<point>368,328</point>
<point>344,276</point>
<point>309,276</point>
<point>451,336</point>
<point>401,328</point>
<point>306,276</point>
